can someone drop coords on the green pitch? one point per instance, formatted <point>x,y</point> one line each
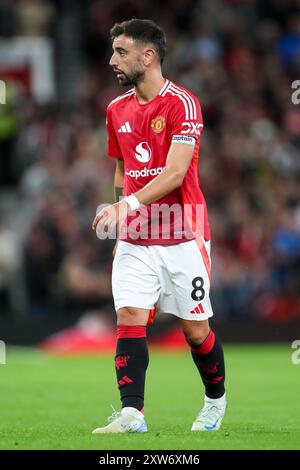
<point>54,403</point>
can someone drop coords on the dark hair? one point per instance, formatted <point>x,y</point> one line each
<point>143,31</point>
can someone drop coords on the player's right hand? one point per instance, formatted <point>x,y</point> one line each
<point>108,217</point>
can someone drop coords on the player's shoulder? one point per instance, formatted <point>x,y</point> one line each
<point>121,99</point>
<point>177,95</point>
<point>175,91</point>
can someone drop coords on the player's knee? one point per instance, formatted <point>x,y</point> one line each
<point>125,316</point>
<point>131,316</point>
<point>195,335</point>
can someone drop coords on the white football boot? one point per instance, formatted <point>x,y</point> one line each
<point>128,420</point>
<point>211,415</point>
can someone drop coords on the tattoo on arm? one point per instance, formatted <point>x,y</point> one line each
<point>118,193</point>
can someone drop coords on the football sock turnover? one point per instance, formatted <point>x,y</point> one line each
<point>209,359</point>
<point>131,363</point>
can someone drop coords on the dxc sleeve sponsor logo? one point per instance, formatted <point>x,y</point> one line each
<point>192,128</point>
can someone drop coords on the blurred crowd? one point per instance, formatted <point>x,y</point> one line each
<point>240,58</point>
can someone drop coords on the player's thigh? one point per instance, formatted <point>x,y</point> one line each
<point>135,282</point>
<point>189,282</point>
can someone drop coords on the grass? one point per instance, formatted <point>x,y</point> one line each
<point>54,403</point>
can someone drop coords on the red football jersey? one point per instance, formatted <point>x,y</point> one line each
<point>141,135</point>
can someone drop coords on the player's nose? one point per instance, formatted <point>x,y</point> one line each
<point>113,62</point>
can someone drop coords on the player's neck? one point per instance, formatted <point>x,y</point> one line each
<point>150,87</point>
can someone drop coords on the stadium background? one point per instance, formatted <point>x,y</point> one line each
<point>240,58</point>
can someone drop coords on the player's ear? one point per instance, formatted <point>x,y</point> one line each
<point>149,55</point>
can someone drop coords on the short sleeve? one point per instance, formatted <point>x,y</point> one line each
<point>186,117</point>
<point>113,144</point>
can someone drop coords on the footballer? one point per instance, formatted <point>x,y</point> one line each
<point>162,256</point>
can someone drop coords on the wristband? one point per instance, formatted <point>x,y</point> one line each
<point>133,202</point>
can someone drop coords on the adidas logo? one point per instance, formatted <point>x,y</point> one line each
<point>198,309</point>
<point>125,380</point>
<point>125,128</point>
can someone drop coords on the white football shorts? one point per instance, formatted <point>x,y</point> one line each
<point>170,279</point>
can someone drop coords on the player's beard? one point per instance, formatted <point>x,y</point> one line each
<point>133,78</point>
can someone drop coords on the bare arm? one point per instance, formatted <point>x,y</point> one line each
<point>119,180</point>
<point>178,161</point>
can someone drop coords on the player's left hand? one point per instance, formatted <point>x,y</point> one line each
<point>110,216</point>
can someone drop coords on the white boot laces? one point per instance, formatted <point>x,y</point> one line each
<point>115,415</point>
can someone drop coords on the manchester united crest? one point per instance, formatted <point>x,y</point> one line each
<point>158,124</point>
